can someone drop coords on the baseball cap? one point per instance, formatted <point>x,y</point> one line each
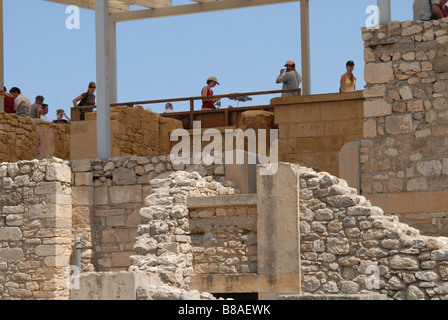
<point>168,105</point>
<point>289,62</point>
<point>213,79</point>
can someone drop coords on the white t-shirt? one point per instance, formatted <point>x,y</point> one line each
<point>44,118</point>
<point>423,10</point>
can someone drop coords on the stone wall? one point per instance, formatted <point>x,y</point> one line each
<point>165,244</point>
<point>313,129</point>
<point>351,247</point>
<point>35,229</point>
<point>405,145</point>
<point>24,138</point>
<point>133,131</point>
<point>107,197</point>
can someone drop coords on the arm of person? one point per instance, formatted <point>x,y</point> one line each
<point>204,94</point>
<point>437,11</point>
<point>66,117</point>
<point>75,101</point>
<point>342,85</point>
<point>39,111</point>
<point>280,78</point>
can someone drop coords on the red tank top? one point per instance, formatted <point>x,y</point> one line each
<point>9,104</point>
<point>208,103</point>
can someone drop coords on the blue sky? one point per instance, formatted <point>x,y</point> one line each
<point>172,57</point>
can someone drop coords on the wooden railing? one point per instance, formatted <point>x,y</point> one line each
<point>76,111</point>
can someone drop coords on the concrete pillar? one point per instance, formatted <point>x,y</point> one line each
<point>278,232</point>
<point>305,45</point>
<point>103,82</point>
<point>385,11</point>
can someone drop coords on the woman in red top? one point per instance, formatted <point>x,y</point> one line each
<point>208,104</point>
<point>9,102</point>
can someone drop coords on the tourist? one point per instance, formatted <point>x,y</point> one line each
<point>168,108</point>
<point>60,113</point>
<point>21,103</point>
<point>290,78</point>
<point>428,9</point>
<point>44,112</point>
<point>8,101</point>
<point>348,80</point>
<point>36,108</point>
<point>209,104</point>
<point>86,99</point>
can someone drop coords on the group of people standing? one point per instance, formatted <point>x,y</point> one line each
<point>16,102</point>
<point>290,79</point>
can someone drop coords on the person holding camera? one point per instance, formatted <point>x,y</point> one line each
<point>290,78</point>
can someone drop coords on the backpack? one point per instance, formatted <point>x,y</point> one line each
<point>83,101</point>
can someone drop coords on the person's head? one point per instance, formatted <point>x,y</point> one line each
<point>290,65</point>
<point>169,107</point>
<point>212,81</point>
<point>14,91</point>
<point>44,108</point>
<point>350,65</point>
<point>92,87</point>
<point>40,100</point>
<point>59,114</point>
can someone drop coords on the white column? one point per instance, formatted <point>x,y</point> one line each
<point>113,61</point>
<point>305,43</point>
<point>102,79</point>
<point>2,62</point>
<point>385,11</point>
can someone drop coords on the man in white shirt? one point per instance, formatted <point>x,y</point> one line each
<point>428,9</point>
<point>22,104</point>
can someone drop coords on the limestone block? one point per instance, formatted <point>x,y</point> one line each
<point>10,234</point>
<point>429,168</point>
<point>125,194</point>
<point>441,64</point>
<point>406,93</point>
<point>398,124</point>
<point>374,91</point>
<point>411,30</point>
<point>124,176</point>
<point>83,178</point>
<point>402,262</point>
<point>101,196</point>
<point>378,73</point>
<point>11,254</point>
<point>377,108</point>
<point>82,196</point>
<point>410,66</point>
<point>81,165</point>
<point>59,172</point>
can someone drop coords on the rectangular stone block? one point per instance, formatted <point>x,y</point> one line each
<point>125,194</point>
<point>82,196</point>
<point>83,178</point>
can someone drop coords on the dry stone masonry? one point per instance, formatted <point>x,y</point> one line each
<point>164,244</point>
<point>351,247</point>
<point>406,109</point>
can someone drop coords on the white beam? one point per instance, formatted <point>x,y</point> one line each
<point>305,46</point>
<point>191,8</point>
<point>102,79</point>
<point>2,61</point>
<point>114,5</point>
<point>113,62</point>
<point>385,11</point>
<point>150,3</point>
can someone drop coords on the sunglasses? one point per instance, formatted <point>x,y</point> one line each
<point>92,87</point>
